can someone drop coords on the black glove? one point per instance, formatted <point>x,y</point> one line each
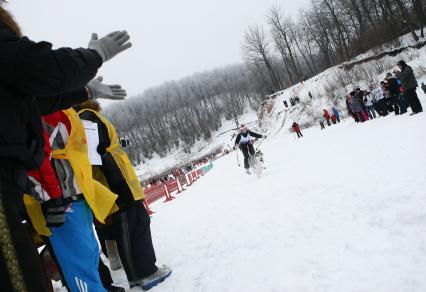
<point>54,211</point>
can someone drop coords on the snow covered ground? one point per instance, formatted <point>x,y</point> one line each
<point>342,209</point>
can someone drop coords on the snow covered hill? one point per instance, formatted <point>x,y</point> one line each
<point>330,87</point>
<point>327,88</point>
<point>343,209</point>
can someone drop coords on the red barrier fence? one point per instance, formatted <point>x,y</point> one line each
<point>170,187</point>
<point>155,193</point>
<point>182,182</point>
<point>160,190</point>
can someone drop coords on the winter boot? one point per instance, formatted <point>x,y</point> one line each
<point>148,282</point>
<point>247,170</point>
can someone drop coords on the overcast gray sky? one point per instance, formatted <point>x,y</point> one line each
<point>171,39</point>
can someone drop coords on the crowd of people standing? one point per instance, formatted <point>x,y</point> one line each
<point>396,93</point>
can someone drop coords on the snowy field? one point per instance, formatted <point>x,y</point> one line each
<point>340,210</point>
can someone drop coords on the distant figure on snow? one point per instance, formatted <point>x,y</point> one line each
<point>296,129</point>
<point>327,117</point>
<point>321,122</point>
<point>336,114</point>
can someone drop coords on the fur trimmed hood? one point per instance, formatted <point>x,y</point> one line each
<point>7,19</point>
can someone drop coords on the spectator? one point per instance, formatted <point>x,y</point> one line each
<point>378,96</point>
<point>131,225</point>
<point>394,92</point>
<point>369,105</point>
<point>386,93</point>
<point>409,83</point>
<point>336,114</point>
<point>321,122</point>
<point>327,117</point>
<point>350,112</point>
<point>356,106</point>
<point>359,94</point>
<point>333,119</point>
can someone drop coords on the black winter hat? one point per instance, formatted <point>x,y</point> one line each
<point>402,63</point>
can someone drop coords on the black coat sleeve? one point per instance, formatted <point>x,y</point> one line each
<point>237,140</point>
<point>38,70</point>
<point>253,134</point>
<point>49,105</point>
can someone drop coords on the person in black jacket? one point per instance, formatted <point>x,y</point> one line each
<point>34,80</point>
<point>130,226</point>
<point>409,84</point>
<point>244,141</point>
<point>394,92</point>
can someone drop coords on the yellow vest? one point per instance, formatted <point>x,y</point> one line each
<point>121,158</point>
<point>100,199</point>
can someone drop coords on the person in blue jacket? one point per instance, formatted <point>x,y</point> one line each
<point>336,114</point>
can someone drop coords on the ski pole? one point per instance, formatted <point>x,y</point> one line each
<point>238,160</point>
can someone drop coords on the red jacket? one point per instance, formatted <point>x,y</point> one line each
<point>296,127</point>
<point>326,115</point>
<point>44,178</point>
<point>46,182</point>
<point>333,118</point>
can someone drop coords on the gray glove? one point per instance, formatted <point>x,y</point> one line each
<point>111,44</point>
<point>99,90</point>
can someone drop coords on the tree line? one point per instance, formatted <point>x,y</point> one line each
<point>325,34</point>
<point>291,49</point>
<point>179,113</point>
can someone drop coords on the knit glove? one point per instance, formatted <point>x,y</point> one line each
<point>97,89</point>
<point>110,45</point>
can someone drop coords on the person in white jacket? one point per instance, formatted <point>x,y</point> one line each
<point>369,102</point>
<point>378,95</point>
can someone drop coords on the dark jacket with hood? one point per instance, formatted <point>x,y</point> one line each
<point>407,78</point>
<point>36,80</point>
<point>393,86</point>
